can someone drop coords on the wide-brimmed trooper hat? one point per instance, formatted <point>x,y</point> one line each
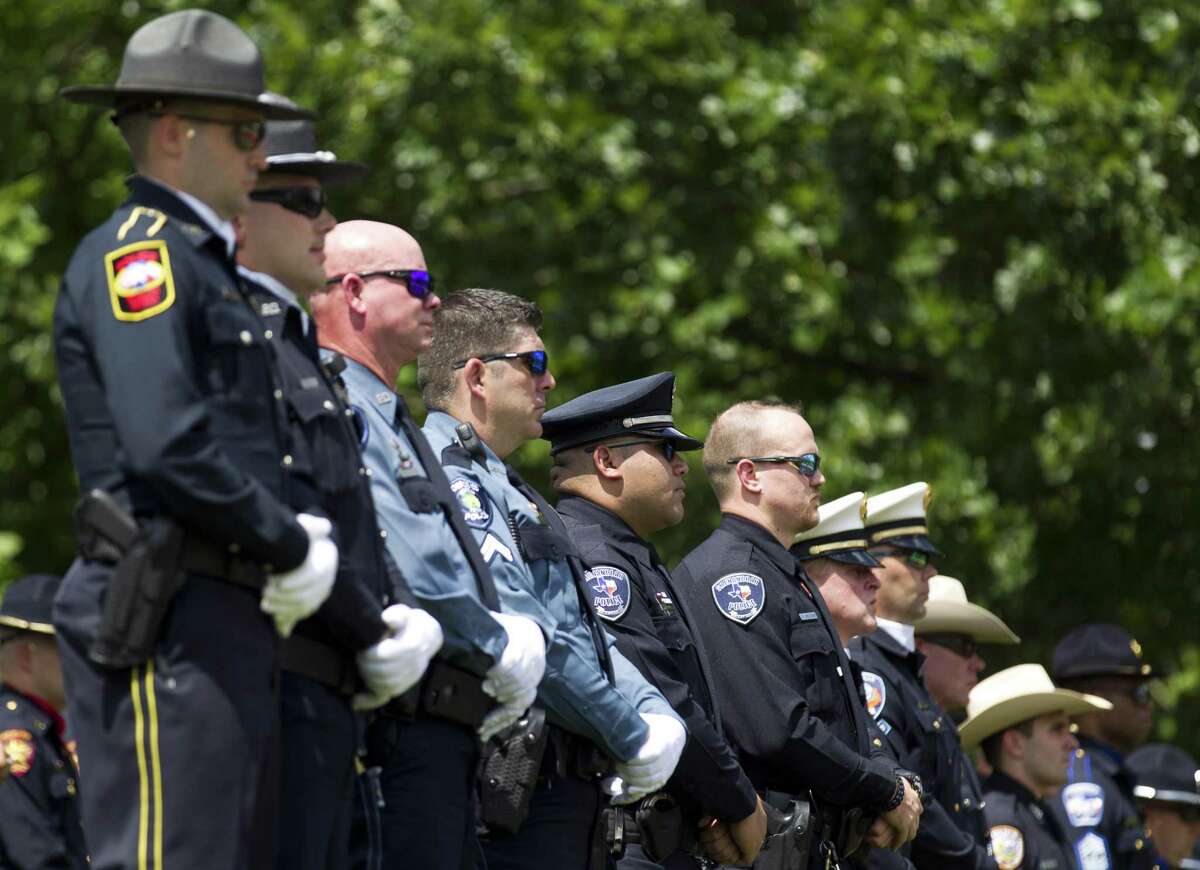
<point>28,605</point>
<point>193,54</point>
<point>1165,773</point>
<point>292,149</point>
<point>1016,695</point>
<point>897,518</point>
<point>839,534</point>
<point>949,612</point>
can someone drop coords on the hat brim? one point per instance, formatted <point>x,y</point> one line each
<point>273,108</point>
<point>1141,672</point>
<point>14,625</point>
<point>911,542</point>
<point>330,173</point>
<point>955,617</point>
<point>1013,711</point>
<point>683,443</point>
<point>857,556</point>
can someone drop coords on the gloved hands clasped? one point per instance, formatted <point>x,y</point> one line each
<point>513,680</point>
<point>649,770</point>
<point>296,594</point>
<point>395,664</point>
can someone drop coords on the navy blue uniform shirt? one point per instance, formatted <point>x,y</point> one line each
<point>1024,834</point>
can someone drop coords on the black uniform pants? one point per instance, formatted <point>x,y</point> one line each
<point>176,755</point>
<point>427,770</point>
<point>318,741</point>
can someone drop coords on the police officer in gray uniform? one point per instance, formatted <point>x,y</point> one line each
<point>375,312</point>
<point>1168,794</point>
<point>485,379</point>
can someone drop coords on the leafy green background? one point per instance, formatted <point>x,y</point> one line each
<point>964,234</point>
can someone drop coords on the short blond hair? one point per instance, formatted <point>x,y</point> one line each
<point>736,433</point>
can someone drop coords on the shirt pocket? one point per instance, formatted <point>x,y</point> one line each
<point>324,450</point>
<point>813,650</point>
<point>238,360</point>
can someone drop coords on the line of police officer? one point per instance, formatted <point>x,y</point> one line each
<point>270,546</point>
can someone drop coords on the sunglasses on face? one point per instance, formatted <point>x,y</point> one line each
<point>1140,694</point>
<point>247,135</point>
<point>418,282</point>
<point>915,558</point>
<point>537,361</point>
<point>959,644</point>
<point>665,445</point>
<point>307,201</point>
<point>807,464</point>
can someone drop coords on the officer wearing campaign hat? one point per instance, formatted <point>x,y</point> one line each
<point>1097,805</point>
<point>920,733</point>
<point>1020,718</point>
<point>169,385</point>
<point>620,475</point>
<point>39,804</point>
<point>1168,792</point>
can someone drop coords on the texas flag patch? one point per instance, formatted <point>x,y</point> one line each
<point>740,596</point>
<point>608,588</point>
<point>140,284</point>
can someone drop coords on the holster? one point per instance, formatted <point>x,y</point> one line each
<point>657,823</point>
<point>852,832</point>
<point>445,692</point>
<point>509,771</point>
<point>789,836</point>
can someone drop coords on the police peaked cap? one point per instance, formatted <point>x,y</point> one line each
<point>839,534</point>
<point>28,605</point>
<point>192,54</point>
<point>636,408</point>
<point>1098,649</point>
<point>292,148</point>
<point>897,518</point>
<point>1165,773</point>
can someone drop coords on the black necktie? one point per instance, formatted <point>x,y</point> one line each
<point>437,477</point>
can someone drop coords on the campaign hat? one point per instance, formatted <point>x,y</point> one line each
<point>292,149</point>
<point>28,605</point>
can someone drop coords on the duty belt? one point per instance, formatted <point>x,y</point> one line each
<point>445,692</point>
<point>320,662</point>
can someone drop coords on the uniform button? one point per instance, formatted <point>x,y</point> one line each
<point>268,335</point>
<point>12,705</point>
<point>957,808</point>
<point>245,336</point>
<point>278,395</point>
<point>71,791</point>
<point>349,412</point>
<point>287,460</point>
<point>383,533</point>
<point>328,405</point>
<point>966,803</point>
<point>1138,843</point>
<point>937,724</point>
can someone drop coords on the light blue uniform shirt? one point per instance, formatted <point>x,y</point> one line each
<point>575,692</point>
<point>422,545</point>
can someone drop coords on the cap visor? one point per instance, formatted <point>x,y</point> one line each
<point>273,108</point>
<point>682,442</point>
<point>853,557</point>
<point>912,542</point>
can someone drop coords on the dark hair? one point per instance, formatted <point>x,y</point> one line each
<point>470,323</point>
<point>993,743</point>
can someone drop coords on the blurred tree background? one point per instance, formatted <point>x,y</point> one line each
<point>964,234</point>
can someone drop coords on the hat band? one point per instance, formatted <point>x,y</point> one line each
<point>302,157</point>
<point>26,625</point>
<point>630,422</point>
<point>896,533</point>
<point>856,544</point>
<point>1170,795</point>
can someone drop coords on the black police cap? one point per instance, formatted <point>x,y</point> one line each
<point>1165,773</point>
<point>1098,649</point>
<point>28,604</point>
<point>292,148</point>
<point>193,54</point>
<point>637,408</point>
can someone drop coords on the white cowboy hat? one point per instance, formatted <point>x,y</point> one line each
<point>1016,695</point>
<point>949,612</point>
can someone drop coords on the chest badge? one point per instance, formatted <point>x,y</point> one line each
<point>740,597</point>
<point>1084,803</point>
<point>19,749</point>
<point>1008,846</point>
<point>608,588</point>
<point>473,501</point>
<point>1092,853</point>
<point>875,691</point>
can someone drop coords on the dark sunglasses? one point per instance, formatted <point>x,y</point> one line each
<point>247,135</point>
<point>418,282</point>
<point>308,201</point>
<point>666,445</point>
<point>807,464</point>
<point>538,361</point>
<point>1140,693</point>
<point>916,558</point>
<point>959,644</point>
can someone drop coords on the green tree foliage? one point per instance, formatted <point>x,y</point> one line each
<point>964,234</point>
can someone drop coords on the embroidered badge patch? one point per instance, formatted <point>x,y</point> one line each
<point>140,283</point>
<point>609,591</point>
<point>473,501</point>
<point>1008,846</point>
<point>1084,803</point>
<point>1092,852</point>
<point>740,597</point>
<point>19,750</point>
<point>875,691</point>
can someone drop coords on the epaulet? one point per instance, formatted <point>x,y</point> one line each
<point>141,223</point>
<point>456,455</point>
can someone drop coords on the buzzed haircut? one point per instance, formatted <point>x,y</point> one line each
<point>737,433</point>
<point>993,745</point>
<point>470,323</point>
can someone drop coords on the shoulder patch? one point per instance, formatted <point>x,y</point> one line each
<point>19,750</point>
<point>140,284</point>
<point>740,596</point>
<point>474,502</point>
<point>1008,846</point>
<point>876,693</point>
<point>1084,803</point>
<point>1092,852</point>
<point>608,588</point>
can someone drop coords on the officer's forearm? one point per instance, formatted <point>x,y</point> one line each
<point>577,693</point>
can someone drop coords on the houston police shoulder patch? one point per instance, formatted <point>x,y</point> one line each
<point>1084,803</point>
<point>1008,846</point>
<point>875,691</point>
<point>19,748</point>
<point>474,502</point>
<point>608,588</point>
<point>740,596</point>
<point>140,283</point>
<point>1092,852</point>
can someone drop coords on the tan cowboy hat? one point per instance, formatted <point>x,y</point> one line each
<point>1016,695</point>
<point>949,612</point>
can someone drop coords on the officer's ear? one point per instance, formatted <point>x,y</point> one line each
<point>473,375</point>
<point>747,475</point>
<point>351,288</point>
<point>603,464</point>
<point>172,134</point>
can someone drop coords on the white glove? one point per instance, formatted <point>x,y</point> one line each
<point>297,594</point>
<point>522,663</point>
<point>654,763</point>
<point>396,663</point>
<point>505,715</point>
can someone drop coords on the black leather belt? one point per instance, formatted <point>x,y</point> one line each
<point>445,692</point>
<point>320,662</point>
<point>202,557</point>
<point>573,756</point>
